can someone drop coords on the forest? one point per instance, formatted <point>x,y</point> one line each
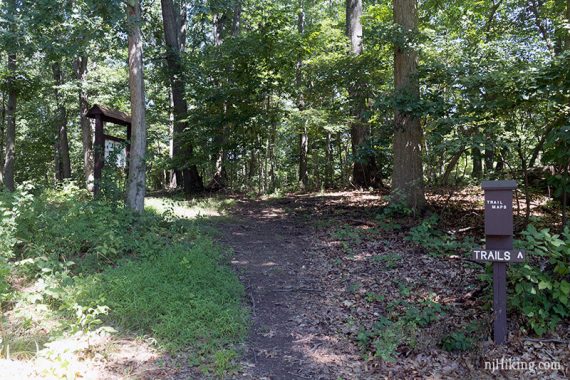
<point>281,189</point>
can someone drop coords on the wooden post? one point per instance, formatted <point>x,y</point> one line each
<point>499,236</point>
<point>99,154</point>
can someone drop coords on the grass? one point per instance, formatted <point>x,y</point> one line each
<point>182,298</point>
<point>78,267</point>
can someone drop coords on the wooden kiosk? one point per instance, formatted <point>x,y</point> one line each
<point>103,115</point>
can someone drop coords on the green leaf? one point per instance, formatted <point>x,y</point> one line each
<point>565,287</point>
<point>544,285</point>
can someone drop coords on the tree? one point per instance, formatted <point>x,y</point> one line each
<point>407,176</point>
<point>304,133</point>
<point>62,161</point>
<point>182,151</point>
<point>80,67</point>
<point>9,161</point>
<point>364,170</point>
<point>137,164</point>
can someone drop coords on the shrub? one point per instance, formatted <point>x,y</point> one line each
<point>98,262</point>
<point>541,287</point>
<point>457,341</point>
<point>435,241</point>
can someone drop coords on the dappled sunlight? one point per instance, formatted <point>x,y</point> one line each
<point>207,207</point>
<point>96,356</point>
<point>321,350</point>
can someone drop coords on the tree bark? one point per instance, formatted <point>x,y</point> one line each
<point>86,130</point>
<point>364,170</point>
<point>182,151</point>
<point>407,177</point>
<point>303,133</point>
<point>137,166</point>
<point>63,164</point>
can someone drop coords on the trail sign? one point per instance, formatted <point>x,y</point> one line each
<point>499,255</point>
<point>499,247</point>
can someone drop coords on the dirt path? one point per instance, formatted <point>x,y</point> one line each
<point>290,337</point>
<point>337,291</point>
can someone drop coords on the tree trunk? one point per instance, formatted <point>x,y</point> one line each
<point>450,166</point>
<point>64,167</point>
<point>364,170</point>
<point>303,133</point>
<point>220,178</point>
<point>489,159</point>
<point>272,163</point>
<point>329,169</point>
<point>2,136</point>
<point>407,177</point>
<point>477,164</point>
<point>137,166</point>
<point>86,131</point>
<point>10,158</point>
<point>182,151</point>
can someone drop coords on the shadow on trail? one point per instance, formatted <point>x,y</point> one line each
<point>291,335</point>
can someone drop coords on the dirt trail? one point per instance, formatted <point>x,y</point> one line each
<point>289,337</point>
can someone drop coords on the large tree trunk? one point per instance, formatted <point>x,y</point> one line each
<point>86,132</point>
<point>407,177</point>
<point>182,151</point>
<point>303,133</point>
<point>364,170</point>
<point>63,170</point>
<point>137,166</point>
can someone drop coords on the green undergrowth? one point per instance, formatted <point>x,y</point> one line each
<point>183,298</point>
<point>89,264</point>
<point>539,289</point>
<point>400,326</point>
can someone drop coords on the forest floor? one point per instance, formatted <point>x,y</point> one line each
<point>337,288</point>
<point>337,292</point>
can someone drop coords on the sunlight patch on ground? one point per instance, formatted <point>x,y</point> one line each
<point>318,350</point>
<point>191,209</point>
<point>84,356</point>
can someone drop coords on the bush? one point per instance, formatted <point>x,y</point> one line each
<point>437,242</point>
<point>98,262</point>
<point>541,286</point>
